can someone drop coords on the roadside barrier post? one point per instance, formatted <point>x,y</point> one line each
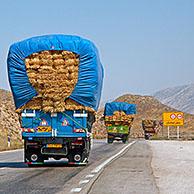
<point>178,132</point>
<point>168,132</point>
<point>8,141</point>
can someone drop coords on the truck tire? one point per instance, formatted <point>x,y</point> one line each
<point>110,140</point>
<point>78,157</point>
<point>147,137</point>
<point>33,156</point>
<point>125,139</point>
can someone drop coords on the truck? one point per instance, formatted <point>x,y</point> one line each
<point>150,127</point>
<point>118,117</point>
<point>62,132</point>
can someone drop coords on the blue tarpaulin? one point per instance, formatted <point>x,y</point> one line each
<point>111,107</point>
<point>90,79</point>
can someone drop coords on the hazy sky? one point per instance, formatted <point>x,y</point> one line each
<point>145,45</point>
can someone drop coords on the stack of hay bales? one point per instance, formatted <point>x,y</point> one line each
<point>119,118</point>
<point>54,75</point>
<point>150,125</point>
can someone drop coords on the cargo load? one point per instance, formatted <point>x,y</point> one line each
<point>150,127</point>
<point>55,73</point>
<point>119,118</point>
<point>56,81</point>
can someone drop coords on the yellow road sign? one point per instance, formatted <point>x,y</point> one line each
<point>173,119</point>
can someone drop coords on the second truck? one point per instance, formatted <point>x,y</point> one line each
<point>119,118</point>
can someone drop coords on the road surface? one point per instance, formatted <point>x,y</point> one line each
<point>173,166</point>
<point>148,167</point>
<point>129,174</point>
<point>16,177</point>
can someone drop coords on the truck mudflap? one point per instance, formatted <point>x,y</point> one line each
<point>34,163</point>
<point>65,163</point>
<point>79,163</point>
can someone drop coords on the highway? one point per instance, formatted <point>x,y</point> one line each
<point>140,166</point>
<point>148,167</point>
<point>53,177</point>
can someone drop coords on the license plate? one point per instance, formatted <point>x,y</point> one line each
<point>44,129</point>
<point>54,145</point>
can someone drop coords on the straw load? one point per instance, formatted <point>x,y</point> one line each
<point>119,117</point>
<point>149,123</point>
<point>54,75</point>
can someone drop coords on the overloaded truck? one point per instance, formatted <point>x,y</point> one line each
<point>119,117</point>
<point>56,81</point>
<point>150,127</point>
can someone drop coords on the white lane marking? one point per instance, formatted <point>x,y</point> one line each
<point>76,190</point>
<point>3,168</point>
<point>89,175</point>
<point>7,151</point>
<point>84,181</point>
<point>98,168</point>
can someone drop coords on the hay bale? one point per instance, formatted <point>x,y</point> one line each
<point>119,118</point>
<point>54,75</point>
<point>149,123</point>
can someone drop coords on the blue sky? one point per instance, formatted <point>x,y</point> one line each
<point>145,45</point>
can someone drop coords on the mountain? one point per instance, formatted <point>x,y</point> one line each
<point>148,107</point>
<point>180,97</point>
<point>9,122</point>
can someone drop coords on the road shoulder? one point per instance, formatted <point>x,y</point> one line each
<point>130,173</point>
<point>173,166</point>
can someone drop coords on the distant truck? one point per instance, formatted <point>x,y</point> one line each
<point>150,127</point>
<point>65,133</point>
<point>119,118</point>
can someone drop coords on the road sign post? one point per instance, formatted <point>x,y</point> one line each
<point>168,132</point>
<point>178,132</point>
<point>173,119</point>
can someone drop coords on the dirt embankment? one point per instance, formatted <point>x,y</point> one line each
<point>9,123</point>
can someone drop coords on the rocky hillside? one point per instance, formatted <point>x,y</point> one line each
<point>147,108</point>
<point>9,124</point>
<point>181,97</point>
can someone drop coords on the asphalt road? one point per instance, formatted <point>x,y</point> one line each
<point>16,177</point>
<point>130,173</point>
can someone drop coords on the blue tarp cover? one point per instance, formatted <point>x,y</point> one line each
<point>90,79</point>
<point>111,107</point>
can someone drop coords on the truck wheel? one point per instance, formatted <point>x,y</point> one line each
<point>147,136</point>
<point>78,157</point>
<point>125,139</point>
<point>110,140</point>
<point>33,156</point>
